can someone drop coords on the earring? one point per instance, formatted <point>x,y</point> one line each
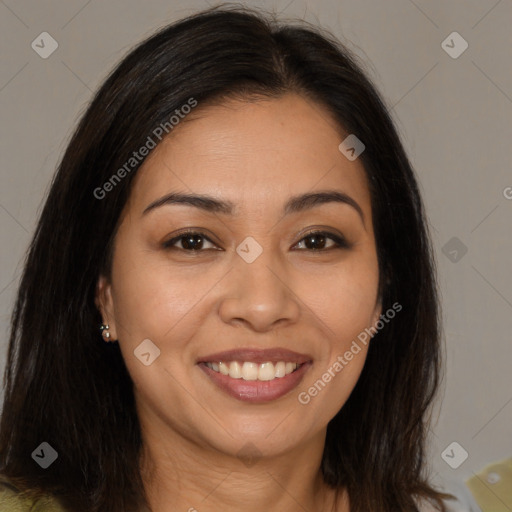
<point>104,331</point>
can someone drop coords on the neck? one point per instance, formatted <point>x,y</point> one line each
<point>181,475</point>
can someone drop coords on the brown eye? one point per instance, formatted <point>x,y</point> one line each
<point>317,241</point>
<point>193,241</point>
<point>190,241</point>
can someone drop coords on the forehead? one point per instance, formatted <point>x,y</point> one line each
<point>252,153</point>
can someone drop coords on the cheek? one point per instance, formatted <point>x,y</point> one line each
<point>151,299</point>
<point>344,306</point>
<point>343,300</point>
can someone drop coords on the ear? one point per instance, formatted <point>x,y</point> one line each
<point>105,304</point>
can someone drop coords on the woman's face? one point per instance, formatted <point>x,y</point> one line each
<point>254,280</point>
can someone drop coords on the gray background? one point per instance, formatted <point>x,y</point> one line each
<point>454,116</point>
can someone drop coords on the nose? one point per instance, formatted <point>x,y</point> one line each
<point>260,295</point>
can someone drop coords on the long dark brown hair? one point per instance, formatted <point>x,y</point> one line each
<point>65,386</point>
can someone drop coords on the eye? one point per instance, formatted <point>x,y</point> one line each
<point>191,241</point>
<point>316,241</point>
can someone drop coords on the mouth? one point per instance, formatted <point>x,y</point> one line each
<point>256,375</point>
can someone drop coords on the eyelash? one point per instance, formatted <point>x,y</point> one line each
<point>341,243</point>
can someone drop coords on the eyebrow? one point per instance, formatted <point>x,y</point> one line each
<point>295,204</point>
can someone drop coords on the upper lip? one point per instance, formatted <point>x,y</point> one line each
<point>255,355</point>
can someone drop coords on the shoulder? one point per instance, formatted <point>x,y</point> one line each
<point>11,500</point>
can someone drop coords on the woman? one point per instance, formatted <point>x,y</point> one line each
<point>237,213</point>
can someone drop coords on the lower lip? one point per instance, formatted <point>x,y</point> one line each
<point>257,390</point>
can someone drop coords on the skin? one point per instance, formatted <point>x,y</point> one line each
<point>257,155</point>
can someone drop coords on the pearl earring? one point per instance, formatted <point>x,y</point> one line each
<point>104,331</point>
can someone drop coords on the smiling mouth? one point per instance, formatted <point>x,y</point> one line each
<point>251,388</point>
<point>254,375</point>
<point>248,370</point>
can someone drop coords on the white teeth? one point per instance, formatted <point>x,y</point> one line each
<point>223,368</point>
<point>253,371</point>
<point>280,369</point>
<point>266,371</point>
<point>235,370</point>
<point>250,371</point>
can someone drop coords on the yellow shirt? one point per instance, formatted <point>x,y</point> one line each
<point>11,501</point>
<point>492,487</point>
